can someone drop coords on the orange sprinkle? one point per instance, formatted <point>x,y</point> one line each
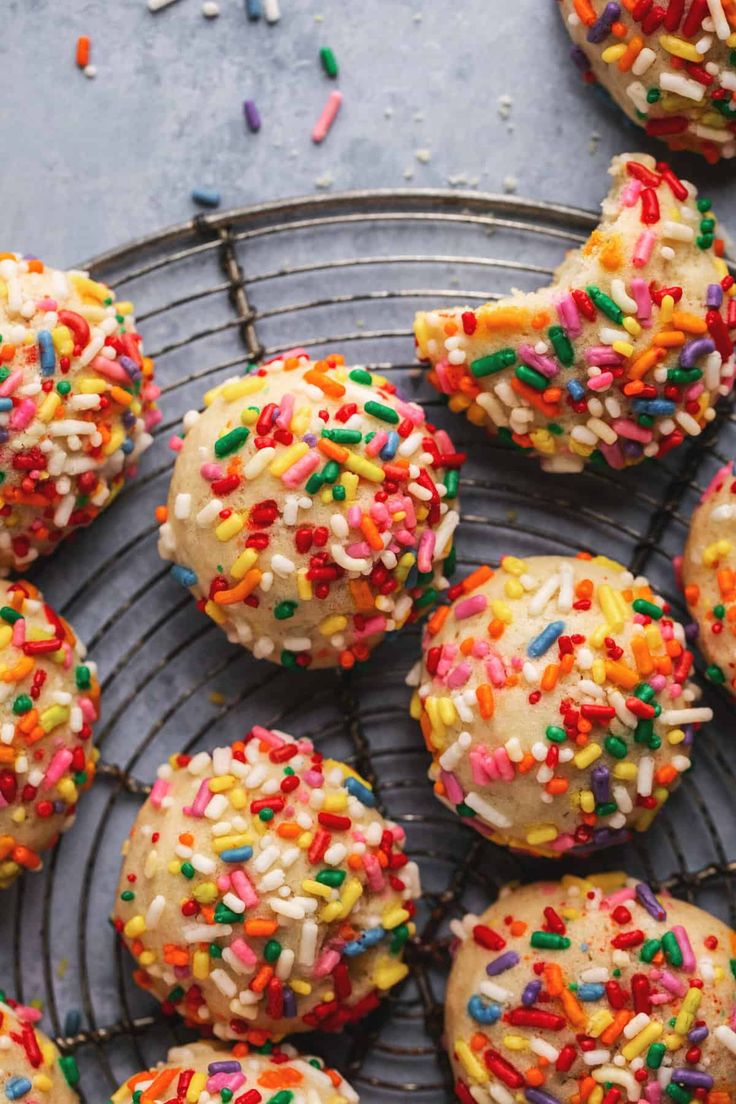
<point>585,12</point>
<point>633,50</point>
<point>621,674</point>
<point>283,1077</point>
<point>549,677</point>
<point>642,655</point>
<point>669,339</point>
<point>260,927</point>
<point>553,978</point>
<point>369,530</point>
<point>496,628</point>
<point>612,1032</point>
<point>644,363</point>
<point>573,1008</point>
<point>484,696</point>
<point>326,384</point>
<point>476,578</point>
<point>518,927</point>
<point>437,620</point>
<point>534,1076</point>
<point>83,51</point>
<point>262,978</point>
<point>246,586</point>
<point>161,513</point>
<point>332,449</point>
<point>288,829</point>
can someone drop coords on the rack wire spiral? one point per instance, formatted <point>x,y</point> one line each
<point>342,272</point>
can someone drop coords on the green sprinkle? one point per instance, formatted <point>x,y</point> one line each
<point>70,1069</point>
<point>644,692</point>
<point>531,377</point>
<point>382,412</point>
<point>556,429</point>
<point>452,482</point>
<point>707,225</point>
<point>338,493</point>
<point>314,483</point>
<point>715,674</point>
<point>646,421</point>
<point>284,610</point>
<point>719,611</point>
<point>63,387</point>
<point>549,941</point>
<point>272,950</point>
<point>450,562</point>
<point>615,746</point>
<point>649,949</point>
<point>265,815</point>
<point>427,598</point>
<point>605,303</point>
<point>555,734</point>
<point>496,362</point>
<point>644,731</point>
<point>215,951</point>
<point>226,1095</point>
<point>655,1054</point>
<point>187,870</point>
<point>224,915</point>
<point>330,471</point>
<point>82,677</point>
<point>648,609</point>
<point>561,344</point>
<point>704,241</point>
<point>704,205</point>
<point>359,375</point>
<point>671,948</point>
<point>399,937</point>
<point>683,375</point>
<point>333,878</point>
<point>285,1096</point>
<point>287,658</point>
<point>732,964</point>
<point>22,704</point>
<point>175,995</point>
<point>232,441</point>
<point>10,615</point>
<point>678,1094</point>
<point>127,895</point>
<point>653,95</point>
<point>329,62</point>
<point>606,808</point>
<point>343,436</point>
<point>464,810</point>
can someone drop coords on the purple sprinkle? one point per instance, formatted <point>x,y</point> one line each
<point>702,346</point>
<point>649,901</point>
<point>689,736</point>
<point>130,366</point>
<point>531,991</point>
<point>698,1079</point>
<point>224,1067</point>
<point>697,1034</point>
<point>310,439</point>
<point>579,59</point>
<point>504,962</point>
<point>599,779</point>
<point>252,115</point>
<point>691,631</point>
<point>601,29</point>
<point>289,1003</point>
<point>537,1096</point>
<point>606,837</point>
<point>714,296</point>
<point>632,449</point>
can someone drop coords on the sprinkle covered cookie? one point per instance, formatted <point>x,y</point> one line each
<point>31,1068</point>
<point>592,990</point>
<point>77,404</point>
<point>623,356</point>
<point>262,893</point>
<point>49,701</point>
<point>311,510</point>
<point>671,67</point>
<point>555,700</point>
<point>205,1073</point>
<point>709,576</point>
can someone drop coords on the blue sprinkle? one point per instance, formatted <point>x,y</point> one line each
<point>367,940</point>
<point>591,991</point>
<point>654,406</point>
<point>576,390</point>
<point>389,449</point>
<point>237,854</point>
<point>206,197</point>
<point>127,446</point>
<point>183,575</point>
<point>72,1022</point>
<point>17,1087</point>
<point>253,9</point>
<point>46,352</point>
<point>357,789</point>
<point>483,1012</point>
<point>542,643</point>
<point>6,404</point>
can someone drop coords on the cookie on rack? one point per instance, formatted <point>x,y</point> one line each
<point>199,1072</point>
<point>261,890</point>
<point>49,701</point>
<point>555,700</point>
<point>31,1068</point>
<point>311,510</point>
<point>623,356</point>
<point>77,404</point>
<point>580,989</point>
<point>669,67</point>
<point>709,576</point>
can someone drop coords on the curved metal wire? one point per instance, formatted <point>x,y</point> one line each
<point>213,294</point>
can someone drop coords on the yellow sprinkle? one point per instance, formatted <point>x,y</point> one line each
<point>63,340</point>
<point>640,1042</point>
<point>543,441</point>
<point>135,927</point>
<point>49,406</point>
<point>688,1008</point>
<point>53,716</point>
<point>147,958</point>
<point>334,624</point>
<point>6,635</point>
<point>350,482</point>
<point>501,611</point>
<point>447,710</point>
<point>716,551</point>
<point>393,917</point>
<point>316,888</point>
<point>222,783</point>
<point>305,840</point>
<point>598,1022</point>
<point>249,415</point>
<point>237,389</point>
<point>238,797</point>
<point>631,325</point>
<point>335,803</point>
<point>598,671</point>
<point>673,1042</point>
<point>303,585</point>
<point>351,893</point>
<point>471,1065</point>
<point>205,892</point>
<point>362,467</point>
<point>389,972</point>
<point>667,309</point>
<point>623,348</point>
<point>513,589</point>
<point>675,736</point>
<point>613,53</point>
<point>230,843</point>
<point>230,527</point>
<point>117,438</point>
<point>244,562</point>
<point>67,791</point>
<point>215,612</point>
<point>196,1087</point>
<point>680,48</point>
<point>288,457</point>
<point>89,288</point>
<point>331,912</point>
<point>596,1097</point>
<point>544,834</point>
<point>516,1042</point>
<point>587,801</point>
<point>599,635</point>
<point>625,772</point>
<point>587,755</point>
<point>303,988</point>
<point>514,566</point>
<point>607,600</point>
<point>201,965</point>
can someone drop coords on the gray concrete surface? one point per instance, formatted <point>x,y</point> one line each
<point>92,163</point>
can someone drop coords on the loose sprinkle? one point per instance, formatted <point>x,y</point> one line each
<point>327,118</point>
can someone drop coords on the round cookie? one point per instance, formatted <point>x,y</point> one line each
<point>709,576</point>
<point>310,510</point>
<point>589,990</point>
<point>30,1063</point>
<point>49,700</point>
<point>623,356</point>
<point>670,69</point>
<point>77,403</point>
<point>555,702</point>
<point>203,1070</point>
<point>262,891</point>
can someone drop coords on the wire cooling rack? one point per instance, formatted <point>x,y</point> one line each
<point>343,272</point>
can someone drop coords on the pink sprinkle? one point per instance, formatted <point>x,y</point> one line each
<point>374,873</point>
<point>8,386</point>
<point>427,543</point>
<point>688,958</point>
<point>222,1081</point>
<point>243,886</point>
<point>58,766</point>
<point>445,383</point>
<point>110,369</point>
<point>643,248</point>
<point>600,382</point>
<point>354,517</point>
<point>327,118</point>
<point>562,843</point>
<point>376,443</point>
<point>470,606</point>
<point>444,442</point>
<point>504,764</point>
<point>459,676</point>
<point>89,710</point>
<point>176,443</point>
<point>326,963</point>
<point>626,893</point>
<point>27,1014</point>
<point>453,789</point>
<point>653,1092</point>
<point>23,414</point>
<point>159,791</point>
<point>630,193</point>
<point>19,632</point>
<point>496,672</point>
<point>286,409</point>
<point>640,291</point>
<point>568,314</point>
<point>201,801</point>
<point>266,736</point>
<point>672,983</point>
<point>602,355</point>
<point>211,471</point>
<point>372,626</point>
<point>246,955</point>
<point>413,414</point>
<point>300,471</point>
<point>624,427</point>
<point>46,304</point>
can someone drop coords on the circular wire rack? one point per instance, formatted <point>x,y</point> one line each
<point>341,273</point>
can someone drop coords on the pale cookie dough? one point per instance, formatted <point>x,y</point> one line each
<point>49,701</point>
<point>623,356</point>
<point>31,1068</point>
<point>202,1071</point>
<point>261,890</point>
<point>554,699</point>
<point>311,510</point>
<point>671,67</point>
<point>709,576</point>
<point>591,989</point>
<point>77,404</point>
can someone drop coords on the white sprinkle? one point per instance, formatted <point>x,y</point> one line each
<point>678,717</point>
<point>224,982</point>
<point>155,909</point>
<point>645,776</point>
<point>682,86</point>
<point>486,811</point>
<point>182,506</point>
<point>271,11</point>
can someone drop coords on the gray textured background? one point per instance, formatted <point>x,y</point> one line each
<point>92,163</point>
